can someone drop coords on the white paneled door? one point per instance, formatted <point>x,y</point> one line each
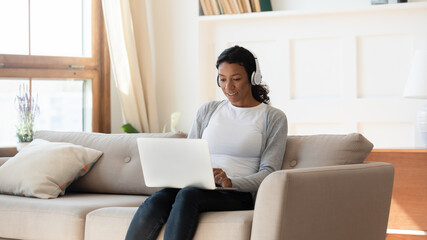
<point>331,72</point>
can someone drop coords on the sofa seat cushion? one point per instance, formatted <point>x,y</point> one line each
<point>60,218</point>
<point>113,222</point>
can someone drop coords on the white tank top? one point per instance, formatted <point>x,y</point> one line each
<point>235,135</point>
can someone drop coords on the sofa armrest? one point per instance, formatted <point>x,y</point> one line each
<point>338,202</point>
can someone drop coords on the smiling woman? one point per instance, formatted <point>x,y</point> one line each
<point>234,82</point>
<point>65,62</point>
<point>246,138</point>
<point>239,77</point>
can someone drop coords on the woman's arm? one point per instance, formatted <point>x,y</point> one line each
<point>275,134</point>
<point>202,118</point>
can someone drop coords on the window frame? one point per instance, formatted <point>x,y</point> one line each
<point>96,68</point>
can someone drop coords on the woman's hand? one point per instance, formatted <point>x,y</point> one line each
<point>221,178</point>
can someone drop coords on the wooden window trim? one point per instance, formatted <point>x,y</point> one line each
<point>96,68</point>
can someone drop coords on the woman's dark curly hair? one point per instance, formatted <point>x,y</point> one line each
<point>245,58</point>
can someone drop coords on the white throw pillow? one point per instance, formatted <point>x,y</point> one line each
<point>45,169</point>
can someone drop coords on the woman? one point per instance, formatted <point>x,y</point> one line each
<point>246,139</point>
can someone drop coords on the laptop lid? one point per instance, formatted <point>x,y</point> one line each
<point>176,162</point>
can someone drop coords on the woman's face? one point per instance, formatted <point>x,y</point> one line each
<point>235,85</point>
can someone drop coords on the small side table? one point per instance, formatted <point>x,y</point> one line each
<point>8,151</point>
<point>408,211</point>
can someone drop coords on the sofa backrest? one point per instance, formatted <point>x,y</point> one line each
<point>119,168</point>
<point>325,150</point>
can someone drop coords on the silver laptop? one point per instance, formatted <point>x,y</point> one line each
<point>176,163</point>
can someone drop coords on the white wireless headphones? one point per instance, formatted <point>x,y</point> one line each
<point>256,77</point>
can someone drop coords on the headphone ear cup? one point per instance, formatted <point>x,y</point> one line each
<point>256,78</point>
<point>253,78</point>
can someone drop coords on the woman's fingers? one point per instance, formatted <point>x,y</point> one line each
<point>221,178</point>
<point>218,171</point>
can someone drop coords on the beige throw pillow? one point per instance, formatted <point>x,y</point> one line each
<point>45,169</point>
<point>325,150</point>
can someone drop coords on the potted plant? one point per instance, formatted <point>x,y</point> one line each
<point>27,111</point>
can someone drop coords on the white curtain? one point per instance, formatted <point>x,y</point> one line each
<point>129,38</point>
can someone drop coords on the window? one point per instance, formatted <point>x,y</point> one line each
<point>46,27</point>
<point>67,104</point>
<point>58,48</point>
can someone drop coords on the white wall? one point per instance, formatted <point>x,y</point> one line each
<point>177,56</point>
<point>175,26</point>
<point>330,71</point>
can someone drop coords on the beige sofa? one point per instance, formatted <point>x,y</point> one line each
<point>324,192</point>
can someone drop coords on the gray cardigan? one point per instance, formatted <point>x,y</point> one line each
<point>274,137</point>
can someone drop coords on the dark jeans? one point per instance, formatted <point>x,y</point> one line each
<point>180,209</point>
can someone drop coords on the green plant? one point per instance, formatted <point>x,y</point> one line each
<point>27,111</point>
<point>128,128</point>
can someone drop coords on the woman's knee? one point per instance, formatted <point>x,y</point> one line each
<point>162,199</point>
<point>189,194</point>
